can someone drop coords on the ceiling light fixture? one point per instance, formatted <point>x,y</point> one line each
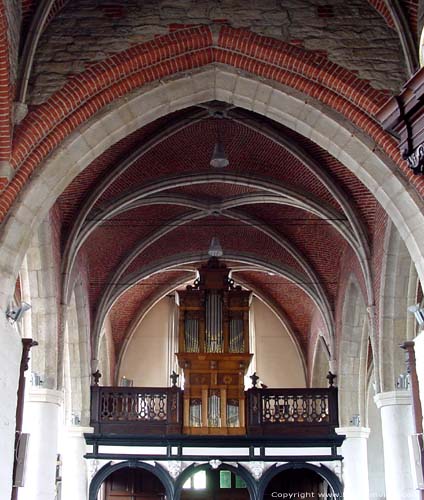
<point>215,249</point>
<point>219,158</point>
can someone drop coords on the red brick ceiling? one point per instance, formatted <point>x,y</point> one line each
<point>187,153</point>
<point>135,302</point>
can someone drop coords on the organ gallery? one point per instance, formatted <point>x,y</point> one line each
<point>213,351</point>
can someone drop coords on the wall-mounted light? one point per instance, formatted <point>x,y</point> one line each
<point>403,381</point>
<point>14,314</point>
<point>355,421</point>
<point>418,312</point>
<point>75,419</point>
<point>36,380</point>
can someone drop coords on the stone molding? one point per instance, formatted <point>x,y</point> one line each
<point>6,170</point>
<point>50,396</point>
<point>354,432</point>
<point>393,398</point>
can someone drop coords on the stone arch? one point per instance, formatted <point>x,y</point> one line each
<point>240,471</point>
<point>77,367</point>
<point>321,365</point>
<point>352,354</point>
<point>188,259</point>
<point>374,441</point>
<point>321,470</point>
<point>209,83</point>
<point>102,320</point>
<point>106,355</point>
<point>110,468</point>
<point>40,288</point>
<point>398,291</point>
<point>190,48</point>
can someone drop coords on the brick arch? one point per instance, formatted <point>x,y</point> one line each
<point>85,94</point>
<point>149,103</point>
<point>384,11</point>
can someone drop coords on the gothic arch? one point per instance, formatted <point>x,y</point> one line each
<point>188,259</point>
<point>322,471</point>
<point>398,291</point>
<point>207,84</point>
<point>240,471</point>
<point>41,291</point>
<point>76,356</point>
<point>320,365</point>
<point>352,354</point>
<point>109,468</point>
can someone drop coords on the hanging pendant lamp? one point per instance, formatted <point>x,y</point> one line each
<point>215,249</point>
<point>219,158</point>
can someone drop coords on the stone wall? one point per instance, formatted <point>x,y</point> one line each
<point>13,15</point>
<point>352,34</point>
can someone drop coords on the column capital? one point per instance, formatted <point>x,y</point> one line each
<point>38,395</point>
<point>393,398</point>
<point>354,432</point>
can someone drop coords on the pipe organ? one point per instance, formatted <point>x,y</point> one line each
<point>214,352</point>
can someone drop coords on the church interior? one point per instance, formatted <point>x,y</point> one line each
<point>211,249</point>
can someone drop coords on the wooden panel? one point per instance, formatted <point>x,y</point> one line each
<point>134,484</point>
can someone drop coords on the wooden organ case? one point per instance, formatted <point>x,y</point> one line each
<point>214,352</point>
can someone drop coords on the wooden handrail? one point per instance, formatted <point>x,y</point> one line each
<point>158,410</point>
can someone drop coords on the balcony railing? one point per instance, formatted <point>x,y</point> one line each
<point>158,411</point>
<point>136,410</point>
<point>292,411</point>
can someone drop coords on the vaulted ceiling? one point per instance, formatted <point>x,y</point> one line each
<point>139,218</point>
<point>143,214</point>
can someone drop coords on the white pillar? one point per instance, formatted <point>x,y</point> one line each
<point>419,355</point>
<point>355,462</point>
<point>74,465</point>
<point>397,425</point>
<point>41,421</point>
<point>10,360</point>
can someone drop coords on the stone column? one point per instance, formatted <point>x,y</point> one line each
<point>41,421</point>
<point>74,465</point>
<point>419,353</point>
<point>355,462</point>
<point>10,358</point>
<point>397,425</point>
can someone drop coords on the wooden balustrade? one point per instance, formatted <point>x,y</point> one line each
<point>304,412</point>
<point>158,411</point>
<point>136,410</point>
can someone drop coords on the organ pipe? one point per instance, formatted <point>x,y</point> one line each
<point>214,336</point>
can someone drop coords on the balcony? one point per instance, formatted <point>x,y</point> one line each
<point>158,412</point>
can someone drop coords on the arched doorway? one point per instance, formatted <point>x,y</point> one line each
<point>133,484</point>
<point>300,481</point>
<point>224,483</point>
<point>131,481</point>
